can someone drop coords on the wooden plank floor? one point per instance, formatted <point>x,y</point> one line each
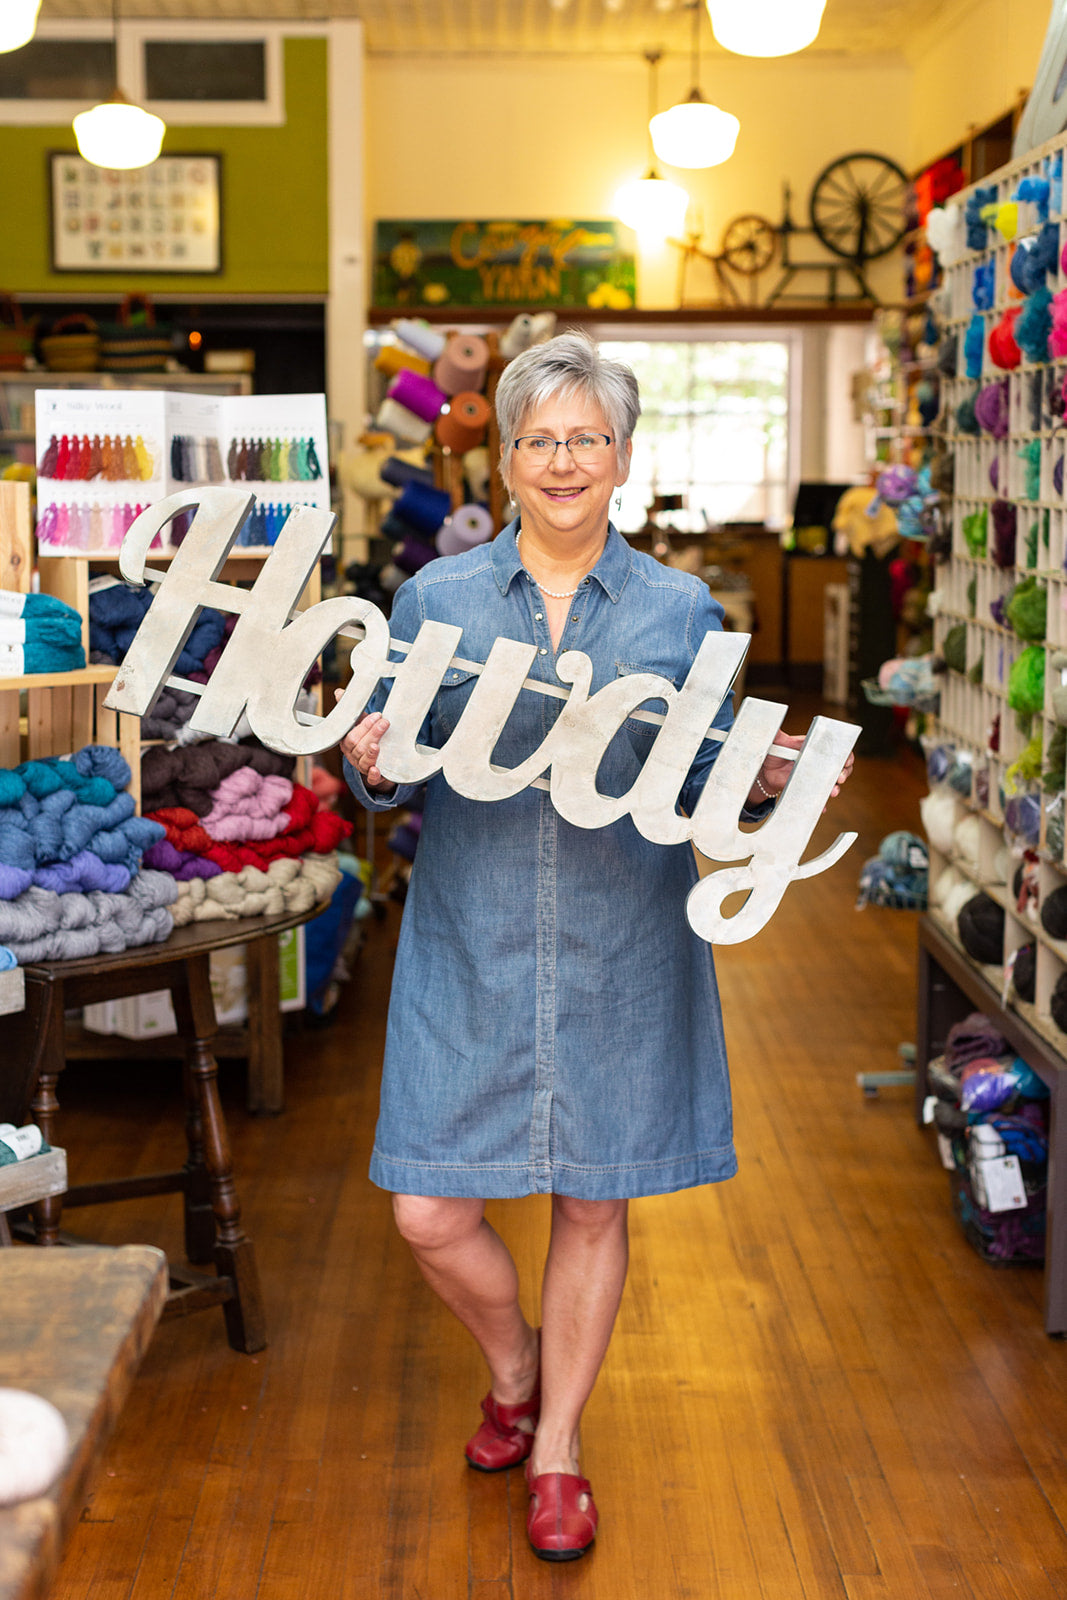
<point>816,1392</point>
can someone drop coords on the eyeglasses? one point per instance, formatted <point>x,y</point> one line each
<point>581,446</point>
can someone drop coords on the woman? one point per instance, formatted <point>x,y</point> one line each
<point>554,1024</point>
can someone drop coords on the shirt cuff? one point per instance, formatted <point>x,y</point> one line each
<point>372,801</point>
<point>757,813</point>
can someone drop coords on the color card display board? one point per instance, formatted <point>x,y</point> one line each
<point>463,263</point>
<point>104,455</point>
<point>161,218</point>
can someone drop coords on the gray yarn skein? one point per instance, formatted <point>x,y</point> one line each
<point>41,925</point>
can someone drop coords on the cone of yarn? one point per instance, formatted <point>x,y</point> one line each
<point>420,395</point>
<point>423,339</point>
<point>413,555</point>
<point>462,427</point>
<point>403,424</point>
<point>422,508</point>
<point>391,359</point>
<point>463,364</point>
<point>398,473</point>
<point>469,526</point>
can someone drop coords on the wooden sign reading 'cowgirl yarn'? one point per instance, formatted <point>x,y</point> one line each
<point>272,649</point>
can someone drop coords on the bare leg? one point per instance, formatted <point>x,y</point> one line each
<point>584,1278</point>
<point>466,1263</point>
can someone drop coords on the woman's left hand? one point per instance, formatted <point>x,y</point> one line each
<point>774,774</point>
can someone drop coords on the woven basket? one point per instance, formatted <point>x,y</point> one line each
<point>136,343</point>
<point>16,335</point>
<point>67,350</point>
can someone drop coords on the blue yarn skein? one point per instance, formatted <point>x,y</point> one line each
<point>983,285</point>
<point>974,346</point>
<point>1036,191</point>
<point>103,761</point>
<point>977,232</point>
<point>1034,325</point>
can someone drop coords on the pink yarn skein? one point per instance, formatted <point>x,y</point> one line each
<point>249,805</point>
<point>1057,339</point>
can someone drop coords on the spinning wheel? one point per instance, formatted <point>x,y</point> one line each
<point>749,244</point>
<point>857,206</point>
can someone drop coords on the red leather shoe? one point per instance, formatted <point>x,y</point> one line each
<point>557,1527</point>
<point>500,1443</point>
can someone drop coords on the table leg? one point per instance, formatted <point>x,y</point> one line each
<point>234,1255</point>
<point>196,1188</point>
<point>266,1056</point>
<point>47,1213</point>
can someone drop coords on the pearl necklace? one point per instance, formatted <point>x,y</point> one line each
<point>554,594</point>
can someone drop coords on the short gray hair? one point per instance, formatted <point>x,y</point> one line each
<point>568,364</point>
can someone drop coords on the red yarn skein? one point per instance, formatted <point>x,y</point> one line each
<point>1003,350</point>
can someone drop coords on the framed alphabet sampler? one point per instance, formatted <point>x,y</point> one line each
<point>165,217</point>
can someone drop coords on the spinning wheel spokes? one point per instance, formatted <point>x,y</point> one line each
<point>749,244</point>
<point>857,206</point>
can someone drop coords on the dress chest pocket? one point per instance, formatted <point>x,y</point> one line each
<point>456,687</point>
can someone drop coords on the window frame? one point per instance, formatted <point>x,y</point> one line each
<point>129,59</point>
<point>731,333</point>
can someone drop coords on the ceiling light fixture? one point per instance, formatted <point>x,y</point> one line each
<point>652,206</point>
<point>18,20</point>
<point>694,133</point>
<point>116,133</point>
<point>765,27</point>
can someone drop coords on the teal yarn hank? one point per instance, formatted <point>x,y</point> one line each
<point>1034,326</point>
<point>1030,454</point>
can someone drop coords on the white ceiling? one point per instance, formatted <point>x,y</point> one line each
<point>599,27</point>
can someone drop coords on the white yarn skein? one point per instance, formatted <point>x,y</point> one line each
<point>33,1445</point>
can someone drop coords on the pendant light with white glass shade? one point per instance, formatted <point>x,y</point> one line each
<point>117,133</point>
<point>766,27</point>
<point>18,22</point>
<point>653,206</point>
<point>694,133</point>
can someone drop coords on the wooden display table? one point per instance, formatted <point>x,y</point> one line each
<point>75,1326</point>
<point>950,987</point>
<point>30,1069</point>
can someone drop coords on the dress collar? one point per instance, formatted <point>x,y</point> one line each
<point>611,571</point>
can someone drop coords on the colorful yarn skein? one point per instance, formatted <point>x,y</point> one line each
<point>69,459</point>
<point>70,525</point>
<point>273,461</point>
<point>195,460</point>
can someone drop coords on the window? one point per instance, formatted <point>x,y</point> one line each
<point>231,69</point>
<point>59,69</point>
<point>714,427</point>
<point>211,73</point>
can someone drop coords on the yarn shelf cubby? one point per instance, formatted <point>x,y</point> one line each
<point>1019,474</point>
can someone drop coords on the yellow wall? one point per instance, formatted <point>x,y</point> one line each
<point>969,67</point>
<point>533,137</point>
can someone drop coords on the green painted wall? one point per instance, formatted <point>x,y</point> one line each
<point>274,190</point>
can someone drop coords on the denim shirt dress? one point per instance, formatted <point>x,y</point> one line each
<point>554,1025</point>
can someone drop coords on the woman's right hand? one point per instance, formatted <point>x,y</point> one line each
<point>361,746</point>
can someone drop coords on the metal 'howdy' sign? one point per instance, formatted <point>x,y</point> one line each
<point>271,651</point>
